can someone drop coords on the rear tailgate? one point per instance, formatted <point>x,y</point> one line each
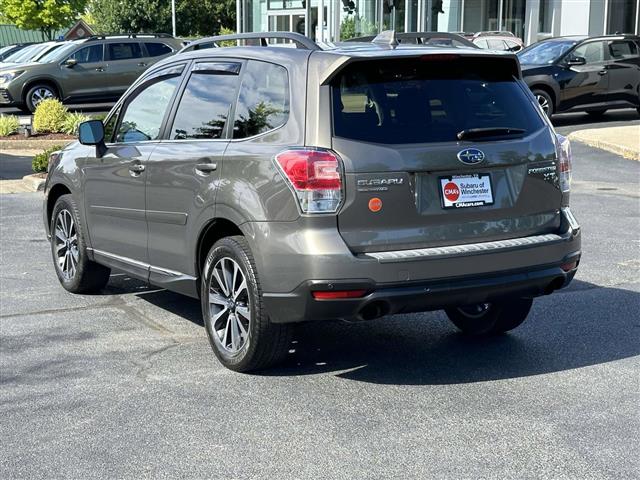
<point>411,182</point>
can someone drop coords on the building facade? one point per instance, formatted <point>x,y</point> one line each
<point>531,20</point>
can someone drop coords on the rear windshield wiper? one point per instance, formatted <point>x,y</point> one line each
<point>488,132</point>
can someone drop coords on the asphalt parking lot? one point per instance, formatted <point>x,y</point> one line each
<point>124,384</point>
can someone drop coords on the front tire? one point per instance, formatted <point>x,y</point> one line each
<point>545,101</point>
<point>76,272</point>
<point>239,330</point>
<point>490,318</point>
<point>37,94</point>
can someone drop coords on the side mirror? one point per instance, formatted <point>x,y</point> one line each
<point>70,62</point>
<point>92,133</point>
<point>576,61</point>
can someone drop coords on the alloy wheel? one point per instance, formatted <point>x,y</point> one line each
<point>229,306</point>
<point>41,94</point>
<point>66,244</point>
<point>544,103</point>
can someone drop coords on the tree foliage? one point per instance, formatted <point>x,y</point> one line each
<point>44,15</point>
<point>193,18</point>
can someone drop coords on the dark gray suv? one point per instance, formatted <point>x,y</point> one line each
<point>282,185</point>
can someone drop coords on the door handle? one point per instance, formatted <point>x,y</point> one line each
<point>602,72</point>
<point>206,167</point>
<point>136,169</point>
<point>99,69</point>
<point>142,64</point>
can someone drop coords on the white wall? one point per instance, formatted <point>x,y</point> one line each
<point>575,17</point>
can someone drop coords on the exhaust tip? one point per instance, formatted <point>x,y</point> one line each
<point>373,310</point>
<point>554,285</point>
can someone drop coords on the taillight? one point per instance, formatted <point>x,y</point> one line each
<point>315,176</point>
<point>563,148</point>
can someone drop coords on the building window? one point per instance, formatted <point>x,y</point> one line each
<point>622,16</point>
<point>545,17</point>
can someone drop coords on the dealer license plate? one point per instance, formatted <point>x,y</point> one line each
<point>462,191</point>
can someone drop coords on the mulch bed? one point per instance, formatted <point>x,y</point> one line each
<point>44,136</point>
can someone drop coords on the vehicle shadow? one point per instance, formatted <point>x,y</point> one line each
<point>612,117</point>
<point>581,326</point>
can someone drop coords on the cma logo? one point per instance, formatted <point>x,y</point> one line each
<point>375,182</point>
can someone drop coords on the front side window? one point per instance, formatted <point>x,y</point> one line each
<point>592,52</point>
<point>92,54</point>
<point>124,50</point>
<point>263,102</point>
<point>110,126</point>
<point>404,101</point>
<point>143,116</point>
<point>157,49</point>
<point>206,102</point>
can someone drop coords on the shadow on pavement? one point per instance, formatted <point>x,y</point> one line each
<point>577,327</point>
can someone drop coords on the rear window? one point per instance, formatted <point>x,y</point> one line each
<point>422,100</point>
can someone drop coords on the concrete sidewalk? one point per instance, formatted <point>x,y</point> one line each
<point>624,141</point>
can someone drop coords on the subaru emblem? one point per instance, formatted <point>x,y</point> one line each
<point>471,156</point>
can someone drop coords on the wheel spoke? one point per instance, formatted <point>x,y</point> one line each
<point>217,299</point>
<point>244,311</point>
<point>60,234</point>
<point>228,276</point>
<point>241,288</point>
<point>220,282</point>
<point>235,334</point>
<point>243,331</point>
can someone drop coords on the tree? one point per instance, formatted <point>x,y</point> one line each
<point>48,16</point>
<point>193,18</point>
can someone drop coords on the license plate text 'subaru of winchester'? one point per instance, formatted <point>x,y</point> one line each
<point>462,191</point>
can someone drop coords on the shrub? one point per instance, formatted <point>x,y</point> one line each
<point>73,121</point>
<point>41,161</point>
<point>8,124</point>
<point>50,116</point>
<point>98,116</point>
<point>227,31</point>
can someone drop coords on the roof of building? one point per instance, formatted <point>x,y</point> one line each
<point>10,35</point>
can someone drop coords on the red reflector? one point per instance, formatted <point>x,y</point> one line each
<point>567,267</point>
<point>311,169</point>
<point>338,294</point>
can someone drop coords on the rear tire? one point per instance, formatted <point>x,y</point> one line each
<point>490,318</point>
<point>545,101</point>
<point>76,272</point>
<point>239,330</point>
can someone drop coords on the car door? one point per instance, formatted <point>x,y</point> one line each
<point>623,70</point>
<point>183,171</point>
<point>114,188</point>
<point>582,85</point>
<point>84,74</point>
<point>125,63</point>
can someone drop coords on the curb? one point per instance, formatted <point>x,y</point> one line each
<point>40,145</point>
<point>35,181</point>
<point>586,137</point>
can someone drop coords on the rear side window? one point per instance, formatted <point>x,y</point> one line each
<point>92,54</point>
<point>623,49</point>
<point>156,49</point>
<point>423,100</point>
<point>124,51</point>
<point>263,102</point>
<point>206,102</point>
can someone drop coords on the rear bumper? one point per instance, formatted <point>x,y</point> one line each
<point>389,299</point>
<point>293,261</point>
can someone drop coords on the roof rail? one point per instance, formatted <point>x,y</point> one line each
<point>127,35</point>
<point>214,42</point>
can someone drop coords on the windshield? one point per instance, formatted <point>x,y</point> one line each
<point>544,53</point>
<point>416,101</point>
<point>58,53</point>
<point>26,54</point>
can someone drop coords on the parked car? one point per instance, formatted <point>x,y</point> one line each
<point>283,185</point>
<point>11,49</point>
<point>30,54</point>
<point>505,41</point>
<point>442,39</point>
<point>592,74</point>
<point>94,69</point>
